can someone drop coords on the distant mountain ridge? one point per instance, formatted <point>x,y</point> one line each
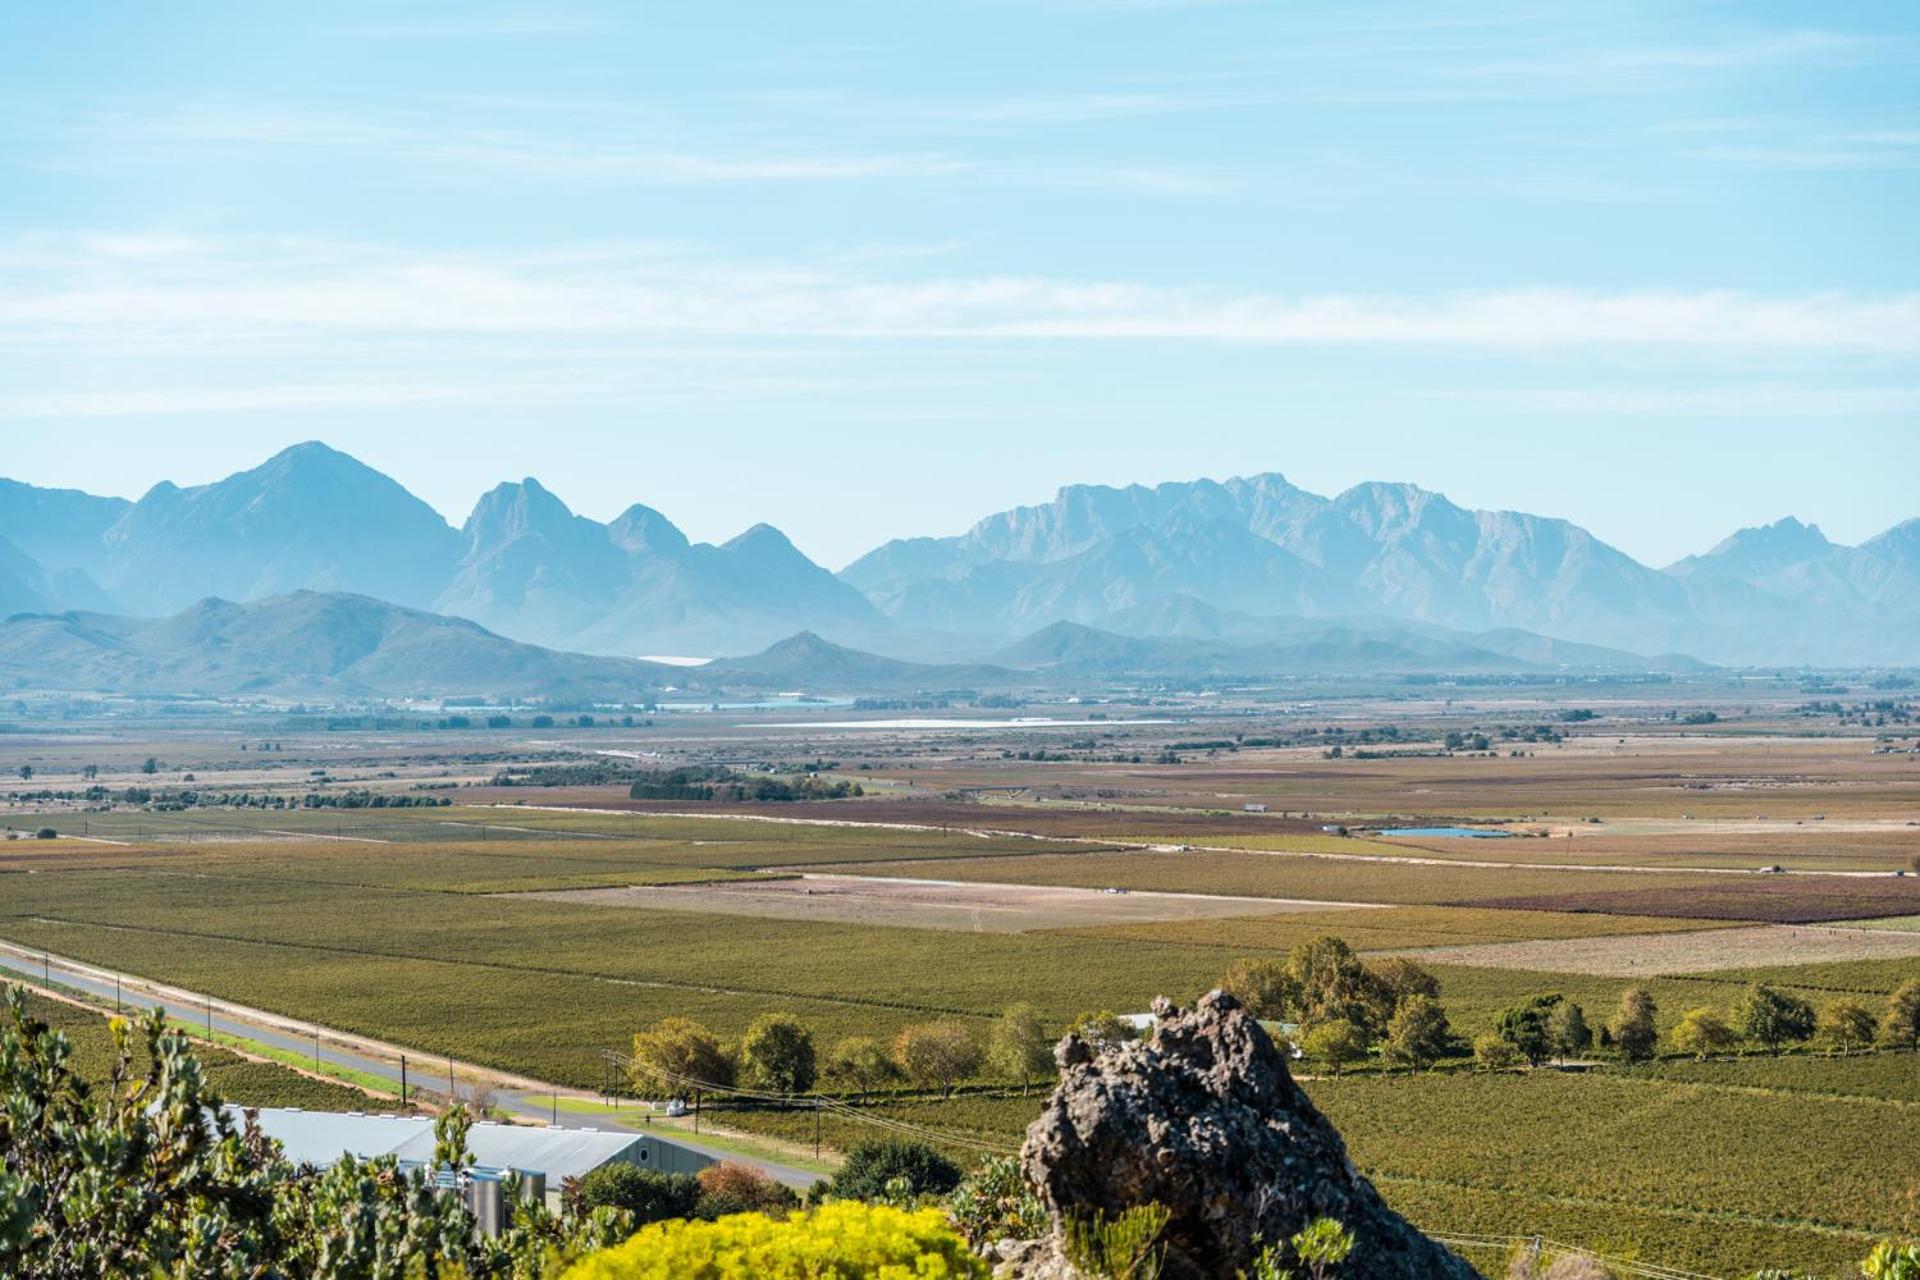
<point>1260,545</point>
<point>313,518</point>
<point>335,647</point>
<point>307,645</point>
<point>1377,556</point>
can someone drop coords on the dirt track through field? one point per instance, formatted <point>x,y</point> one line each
<point>933,904</point>
<point>1652,955</point>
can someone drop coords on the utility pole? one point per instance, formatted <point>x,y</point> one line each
<point>696,1111</point>
<point>316,1052</point>
<point>116,993</point>
<point>816,1129</point>
<point>209,1017</point>
<point>403,1079</point>
<point>556,1108</point>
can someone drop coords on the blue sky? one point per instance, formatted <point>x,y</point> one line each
<point>876,269</point>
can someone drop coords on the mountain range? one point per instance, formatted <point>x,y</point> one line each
<point>336,647</point>
<point>1782,594</point>
<point>307,645</point>
<point>312,518</point>
<point>1242,561</point>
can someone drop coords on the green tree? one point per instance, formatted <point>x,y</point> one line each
<point>1494,1052</point>
<point>860,1063</point>
<point>1333,983</point>
<point>776,1054</point>
<point>1567,1030</point>
<point>1335,1042</point>
<point>1772,1018</point>
<point>1702,1033</point>
<point>1396,978</point>
<point>937,1054</point>
<point>1632,1028</point>
<point>675,1056</point>
<point>1103,1029</point>
<point>1848,1025</point>
<point>1418,1033</point>
<point>1263,987</point>
<point>1901,1026</point>
<point>1524,1026</point>
<point>1018,1047</point>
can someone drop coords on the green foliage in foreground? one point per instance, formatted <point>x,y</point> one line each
<point>871,1167</point>
<point>144,1176</point>
<point>845,1239</point>
<point>1124,1247</point>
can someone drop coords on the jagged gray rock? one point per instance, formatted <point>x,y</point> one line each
<point>1204,1118</point>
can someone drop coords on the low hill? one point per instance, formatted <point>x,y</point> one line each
<point>810,662</point>
<point>306,645</point>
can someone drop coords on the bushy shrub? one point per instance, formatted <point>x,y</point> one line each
<point>1494,1052</point>
<point>648,1194</point>
<point>1125,1247</point>
<point>733,1187</point>
<point>994,1202</point>
<point>870,1166</point>
<point>841,1239</point>
<point>1891,1261</point>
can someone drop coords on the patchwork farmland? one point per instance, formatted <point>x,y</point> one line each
<point>529,929</point>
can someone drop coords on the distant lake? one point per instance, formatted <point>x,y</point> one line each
<point>1451,833</point>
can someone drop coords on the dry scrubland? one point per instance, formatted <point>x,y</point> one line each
<point>422,927</point>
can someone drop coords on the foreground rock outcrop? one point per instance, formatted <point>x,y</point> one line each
<point>1204,1118</point>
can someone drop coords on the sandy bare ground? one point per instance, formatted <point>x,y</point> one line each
<point>1651,955</point>
<point>931,904</point>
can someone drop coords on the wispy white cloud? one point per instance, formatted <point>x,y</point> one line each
<point>526,152</point>
<point>551,156</point>
<point>1870,149</point>
<point>1700,402</point>
<point>251,292</point>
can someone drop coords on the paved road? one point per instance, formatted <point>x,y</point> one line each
<point>519,1096</point>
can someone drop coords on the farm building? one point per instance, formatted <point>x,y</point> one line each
<point>321,1137</point>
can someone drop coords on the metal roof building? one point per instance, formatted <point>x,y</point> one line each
<point>322,1137</point>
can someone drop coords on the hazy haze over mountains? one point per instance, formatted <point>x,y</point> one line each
<point>1260,545</point>
<point>1386,572</point>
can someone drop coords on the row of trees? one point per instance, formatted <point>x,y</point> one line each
<point>1344,1009</point>
<point>1553,1027</point>
<point>1774,1019</point>
<point>779,1055</point>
